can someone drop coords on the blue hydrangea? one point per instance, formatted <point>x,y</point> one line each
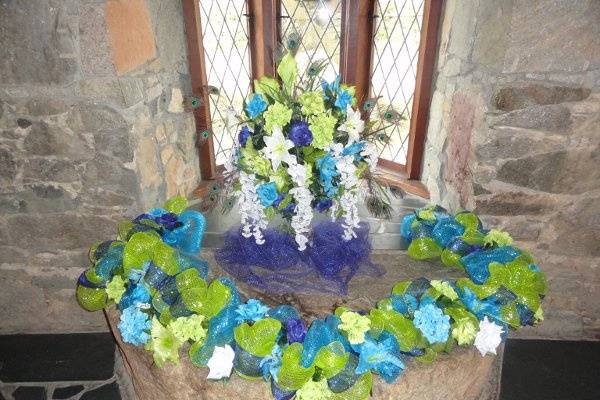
<point>327,172</point>
<point>271,364</point>
<point>253,310</point>
<point>343,100</point>
<point>300,134</point>
<point>134,295</point>
<point>432,323</point>
<point>256,106</point>
<point>133,326</point>
<point>267,193</point>
<point>381,356</point>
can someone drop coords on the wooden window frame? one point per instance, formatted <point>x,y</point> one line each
<point>264,17</point>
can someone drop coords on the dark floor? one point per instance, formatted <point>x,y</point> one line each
<point>82,366</point>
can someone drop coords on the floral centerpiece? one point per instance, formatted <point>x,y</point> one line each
<point>303,146</point>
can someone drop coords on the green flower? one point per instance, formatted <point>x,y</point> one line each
<point>498,237</point>
<point>277,114</point>
<point>355,325</point>
<point>164,344</point>
<point>445,289</point>
<point>314,390</point>
<point>464,331</point>
<point>115,288</point>
<point>186,328</point>
<point>312,103</point>
<point>322,126</point>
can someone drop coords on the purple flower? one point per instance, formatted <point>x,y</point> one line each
<point>300,134</point>
<point>278,200</point>
<point>168,220</point>
<point>289,208</point>
<point>296,330</point>
<point>323,205</point>
<point>244,135</point>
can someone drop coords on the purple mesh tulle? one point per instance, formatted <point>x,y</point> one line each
<point>277,266</point>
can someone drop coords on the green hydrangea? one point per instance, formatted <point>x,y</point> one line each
<point>312,103</point>
<point>314,390</point>
<point>355,326</point>
<point>322,127</point>
<point>464,331</point>
<point>115,288</point>
<point>498,237</point>
<point>277,114</point>
<point>188,328</point>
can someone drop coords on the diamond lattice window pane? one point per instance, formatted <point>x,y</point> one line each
<point>395,56</point>
<point>225,34</point>
<point>319,23</point>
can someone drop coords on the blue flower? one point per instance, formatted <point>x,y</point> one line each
<point>271,364</point>
<point>289,209</point>
<point>343,100</point>
<point>244,135</point>
<point>327,172</point>
<point>256,106</point>
<point>134,295</point>
<point>278,200</point>
<point>382,357</point>
<point>432,323</point>
<point>332,87</point>
<point>253,310</point>
<point>267,193</point>
<point>299,133</point>
<point>296,330</point>
<point>133,326</point>
<point>323,205</point>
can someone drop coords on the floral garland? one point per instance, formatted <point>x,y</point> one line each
<point>303,146</point>
<point>165,301</point>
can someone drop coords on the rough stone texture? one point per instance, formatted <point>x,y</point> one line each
<point>463,374</point>
<point>78,146</point>
<point>513,134</point>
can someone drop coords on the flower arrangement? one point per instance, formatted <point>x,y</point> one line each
<point>166,301</point>
<point>303,146</point>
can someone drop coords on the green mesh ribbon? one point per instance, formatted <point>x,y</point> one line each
<point>407,335</point>
<point>424,249</point>
<point>148,246</point>
<point>361,390</point>
<point>331,359</point>
<point>292,375</point>
<point>91,299</point>
<point>259,338</point>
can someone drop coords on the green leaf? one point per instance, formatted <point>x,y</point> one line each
<point>269,87</point>
<point>288,72</point>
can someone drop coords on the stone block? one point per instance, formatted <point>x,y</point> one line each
<point>512,203</point>
<point>119,92</point>
<point>53,232</point>
<point>569,40</point>
<point>115,143</point>
<point>8,167</point>
<point>518,97</point>
<point>50,169</point>
<point>505,143</point>
<point>546,118</point>
<point>109,173</point>
<point>574,171</point>
<point>93,41</point>
<point>93,117</point>
<point>130,31</point>
<point>38,28</point>
<point>577,229</point>
<point>43,198</point>
<point>51,140</point>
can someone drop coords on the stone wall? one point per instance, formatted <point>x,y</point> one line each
<point>514,133</point>
<point>92,128</point>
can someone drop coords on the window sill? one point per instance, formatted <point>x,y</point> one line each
<point>399,180</point>
<point>385,176</point>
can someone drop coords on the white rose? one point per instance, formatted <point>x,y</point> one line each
<point>221,362</point>
<point>489,337</point>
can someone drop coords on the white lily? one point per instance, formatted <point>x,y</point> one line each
<point>489,337</point>
<point>277,147</point>
<point>353,125</point>
<point>221,362</point>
